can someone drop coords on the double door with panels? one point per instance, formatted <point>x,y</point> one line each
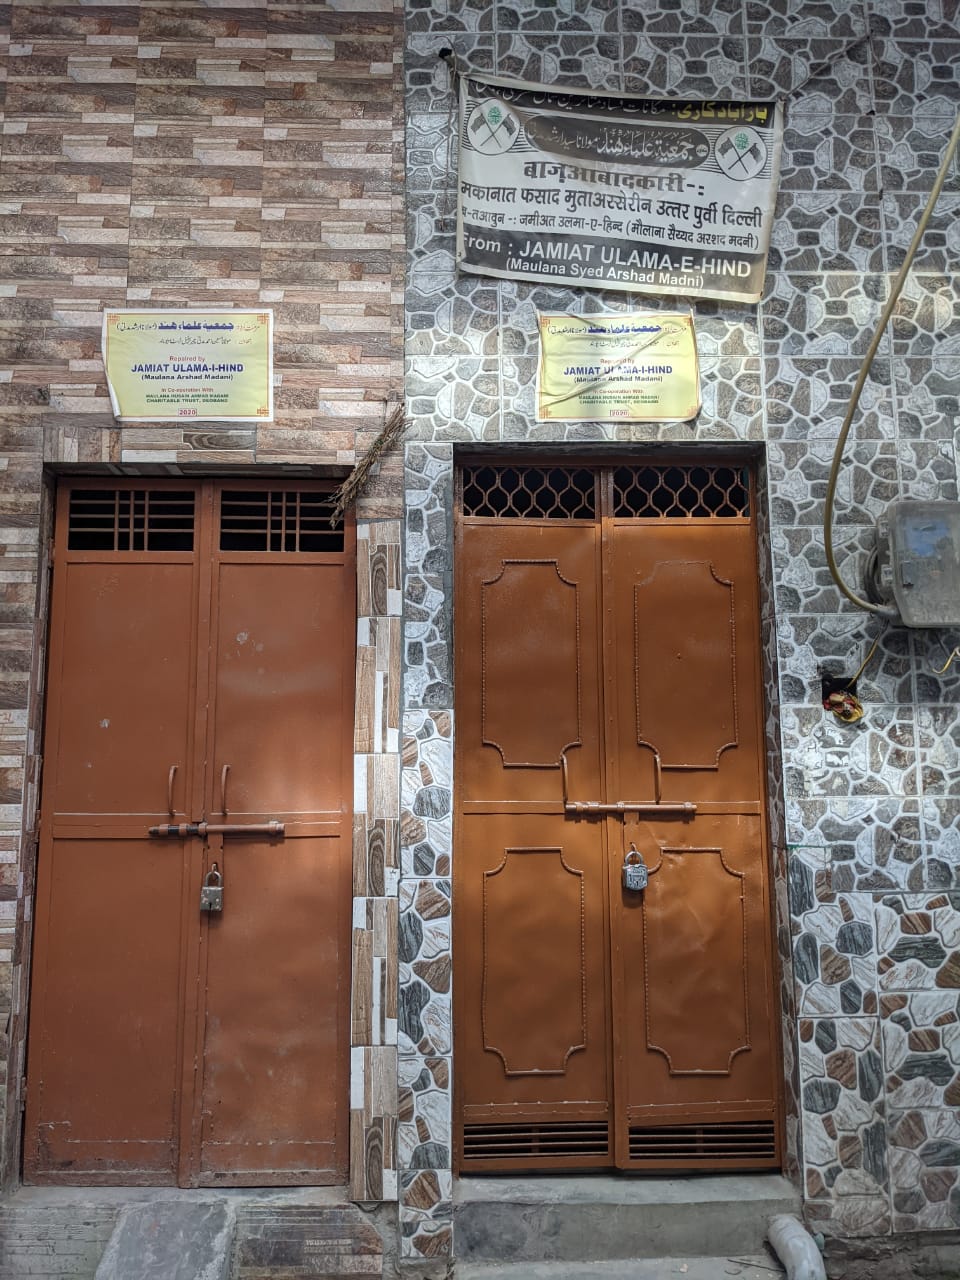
<point>198,730</point>
<point>608,712</point>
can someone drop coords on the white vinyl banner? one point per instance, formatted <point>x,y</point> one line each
<point>610,192</point>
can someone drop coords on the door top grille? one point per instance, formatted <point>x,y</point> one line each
<point>672,492</point>
<point>529,493</point>
<point>278,520</point>
<point>144,519</point>
<point>684,491</point>
<point>131,520</point>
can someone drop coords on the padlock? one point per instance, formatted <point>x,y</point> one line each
<point>635,874</point>
<point>211,893</point>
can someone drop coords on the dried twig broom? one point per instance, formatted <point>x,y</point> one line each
<point>390,433</point>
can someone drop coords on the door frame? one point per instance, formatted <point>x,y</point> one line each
<point>600,457</point>
<point>53,482</point>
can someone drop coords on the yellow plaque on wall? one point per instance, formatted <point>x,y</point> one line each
<point>171,366</point>
<point>635,366</point>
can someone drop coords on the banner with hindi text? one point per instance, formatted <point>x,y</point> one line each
<point>610,192</point>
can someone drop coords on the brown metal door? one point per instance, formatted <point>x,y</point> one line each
<point>201,672</point>
<point>608,695</point>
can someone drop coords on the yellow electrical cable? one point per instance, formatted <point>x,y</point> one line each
<point>863,665</point>
<point>862,378</point>
<point>939,671</point>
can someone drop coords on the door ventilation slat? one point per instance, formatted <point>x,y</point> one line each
<point>736,1143</point>
<point>529,1141</point>
<point>292,520</point>
<point>681,492</point>
<point>131,520</point>
<point>529,493</point>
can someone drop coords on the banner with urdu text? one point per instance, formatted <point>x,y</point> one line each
<point>168,366</point>
<point>611,192</point>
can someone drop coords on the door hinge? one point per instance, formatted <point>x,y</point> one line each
<point>23,1093</point>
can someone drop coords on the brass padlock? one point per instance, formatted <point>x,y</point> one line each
<point>635,873</point>
<point>211,893</point>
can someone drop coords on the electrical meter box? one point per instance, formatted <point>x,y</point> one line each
<point>918,553</point>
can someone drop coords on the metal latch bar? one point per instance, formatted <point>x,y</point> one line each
<point>184,829</point>
<point>682,808</point>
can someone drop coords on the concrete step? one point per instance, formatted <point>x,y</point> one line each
<point>63,1242</point>
<point>170,1240</point>
<point>740,1267</point>
<point>311,1243</point>
<point>113,1233</point>
<point>598,1219</point>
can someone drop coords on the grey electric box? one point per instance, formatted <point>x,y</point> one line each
<point>918,561</point>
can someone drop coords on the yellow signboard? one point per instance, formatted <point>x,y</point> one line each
<point>171,366</point>
<point>635,366</point>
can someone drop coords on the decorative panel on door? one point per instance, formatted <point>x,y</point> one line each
<point>608,708</point>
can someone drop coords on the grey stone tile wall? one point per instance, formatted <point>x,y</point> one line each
<point>865,827</point>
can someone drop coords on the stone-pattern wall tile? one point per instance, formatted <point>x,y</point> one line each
<point>685,66</point>
<point>834,958</point>
<point>918,942</point>
<point>939,744</point>
<point>456,317</point>
<point>831,314</point>
<point>423,1128</point>
<point>426,821</point>
<point>852,1216</point>
<point>870,844</point>
<point>901,213</point>
<point>915,79</point>
<point>824,75</point>
<point>928,396</point>
<point>429,82</point>
<point>921,1048</point>
<point>691,17</point>
<point>807,397</point>
<point>862,815</point>
<point>732,400</point>
<point>804,581</point>
<point>425,968</point>
<point>428,605</point>
<point>844,1131</point>
<point>941,826</point>
<point>425,1081</point>
<point>875,756</point>
<point>799,472</point>
<point>826,152</point>
<point>911,149</point>
<point>426,1214</point>
<point>450,396</point>
<point>925,1169</point>
<point>577,59</point>
<point>925,319</point>
<point>826,231</point>
<point>928,470</point>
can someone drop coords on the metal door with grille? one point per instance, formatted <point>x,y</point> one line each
<point>198,720</point>
<point>608,704</point>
